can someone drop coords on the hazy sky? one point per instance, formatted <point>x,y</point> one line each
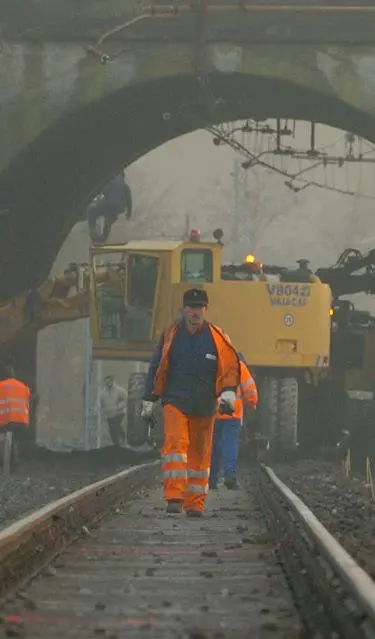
<point>191,176</point>
<point>199,177</point>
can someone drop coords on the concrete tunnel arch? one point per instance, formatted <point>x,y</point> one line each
<point>43,191</point>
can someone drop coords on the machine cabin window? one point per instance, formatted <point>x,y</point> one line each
<point>143,275</point>
<point>129,317</point>
<point>196,265</point>
<point>142,282</point>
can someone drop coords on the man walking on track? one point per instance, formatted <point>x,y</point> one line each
<point>193,367</point>
<point>227,431</point>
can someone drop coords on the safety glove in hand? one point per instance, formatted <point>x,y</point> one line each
<point>229,397</point>
<point>146,410</point>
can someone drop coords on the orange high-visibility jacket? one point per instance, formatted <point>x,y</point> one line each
<point>14,402</point>
<point>228,364</point>
<point>246,393</point>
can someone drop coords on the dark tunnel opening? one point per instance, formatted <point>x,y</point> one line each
<point>46,187</point>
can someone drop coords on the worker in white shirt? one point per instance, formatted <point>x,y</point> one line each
<point>112,405</point>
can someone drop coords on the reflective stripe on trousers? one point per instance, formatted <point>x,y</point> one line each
<point>197,490</point>
<point>174,474</point>
<point>186,457</point>
<point>198,474</point>
<point>175,457</point>
<point>174,466</point>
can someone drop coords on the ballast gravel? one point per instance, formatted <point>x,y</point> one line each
<point>22,494</point>
<point>48,476</point>
<point>343,505</point>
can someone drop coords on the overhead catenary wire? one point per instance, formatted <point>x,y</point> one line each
<point>255,160</point>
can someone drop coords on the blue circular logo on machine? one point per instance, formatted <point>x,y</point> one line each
<point>289,319</point>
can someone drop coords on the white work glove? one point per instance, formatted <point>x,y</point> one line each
<point>229,397</point>
<point>147,408</point>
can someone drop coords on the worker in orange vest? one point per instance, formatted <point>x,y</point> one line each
<point>15,408</point>
<point>194,366</point>
<point>227,431</point>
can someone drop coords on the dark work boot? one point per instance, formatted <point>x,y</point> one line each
<point>174,506</point>
<point>194,513</point>
<point>231,483</point>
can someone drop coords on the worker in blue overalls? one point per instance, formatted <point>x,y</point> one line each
<point>227,431</point>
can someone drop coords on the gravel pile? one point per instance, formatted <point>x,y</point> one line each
<point>50,475</point>
<point>343,505</point>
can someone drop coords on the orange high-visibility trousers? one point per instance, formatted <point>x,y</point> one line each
<point>186,457</point>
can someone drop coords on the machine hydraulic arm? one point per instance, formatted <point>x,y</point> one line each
<point>343,278</point>
<point>61,299</point>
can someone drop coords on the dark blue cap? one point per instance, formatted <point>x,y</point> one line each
<point>195,297</point>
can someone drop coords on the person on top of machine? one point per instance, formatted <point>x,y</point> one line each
<point>255,267</point>
<point>302,274</point>
<point>251,269</point>
<point>116,198</point>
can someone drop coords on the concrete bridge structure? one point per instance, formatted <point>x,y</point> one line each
<point>88,86</point>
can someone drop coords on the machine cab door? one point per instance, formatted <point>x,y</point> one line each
<point>123,298</point>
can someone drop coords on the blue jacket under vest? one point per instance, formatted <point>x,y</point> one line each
<point>191,381</point>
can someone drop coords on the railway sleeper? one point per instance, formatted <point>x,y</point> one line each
<point>258,564</point>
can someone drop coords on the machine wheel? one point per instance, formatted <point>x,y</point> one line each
<point>268,408</point>
<point>278,414</point>
<point>288,414</point>
<point>267,417</point>
<point>137,428</point>
<point>311,420</point>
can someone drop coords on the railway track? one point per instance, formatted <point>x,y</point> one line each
<point>106,561</point>
<point>46,475</point>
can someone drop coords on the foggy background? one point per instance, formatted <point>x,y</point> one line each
<point>190,176</point>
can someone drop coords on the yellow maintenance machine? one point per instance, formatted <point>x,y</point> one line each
<point>308,349</point>
<point>281,327</point>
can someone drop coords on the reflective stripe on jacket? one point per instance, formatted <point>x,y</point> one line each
<point>246,393</point>
<point>228,365</point>
<point>14,402</point>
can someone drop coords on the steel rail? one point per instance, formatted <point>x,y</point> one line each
<point>357,582</point>
<point>29,544</point>
<point>33,542</point>
<point>162,9</point>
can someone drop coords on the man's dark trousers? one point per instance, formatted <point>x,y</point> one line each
<point>116,429</point>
